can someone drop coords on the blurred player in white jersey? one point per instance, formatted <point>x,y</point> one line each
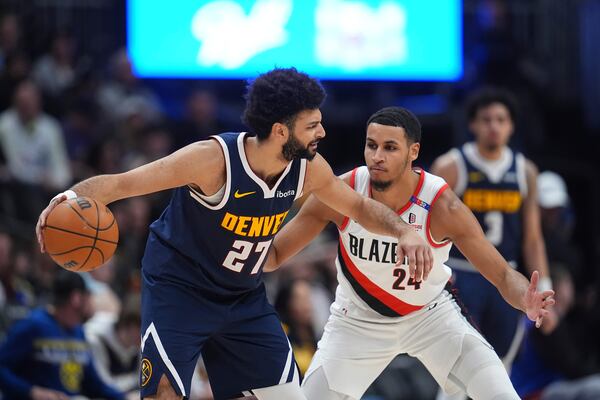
<point>382,309</point>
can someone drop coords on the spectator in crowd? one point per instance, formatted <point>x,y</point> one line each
<point>55,71</point>
<point>17,67</point>
<point>201,118</point>
<point>294,306</point>
<point>34,148</point>
<point>10,36</point>
<point>100,285</point>
<point>46,356</point>
<point>558,222</point>
<point>16,294</point>
<point>125,92</point>
<point>116,347</point>
<point>555,362</point>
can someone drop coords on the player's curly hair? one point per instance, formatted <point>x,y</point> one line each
<point>278,96</point>
<point>399,117</point>
<point>487,96</point>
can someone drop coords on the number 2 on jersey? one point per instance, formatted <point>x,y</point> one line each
<point>401,275</point>
<point>236,258</point>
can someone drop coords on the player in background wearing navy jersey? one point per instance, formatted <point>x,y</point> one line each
<point>202,288</point>
<point>499,185</point>
<point>379,311</point>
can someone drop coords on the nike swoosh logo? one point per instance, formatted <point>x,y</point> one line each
<point>239,195</point>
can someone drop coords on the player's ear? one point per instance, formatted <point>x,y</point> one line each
<point>280,131</point>
<point>413,151</point>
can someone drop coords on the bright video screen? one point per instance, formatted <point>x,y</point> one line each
<point>329,39</point>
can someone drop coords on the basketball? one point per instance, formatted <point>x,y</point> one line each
<point>80,234</point>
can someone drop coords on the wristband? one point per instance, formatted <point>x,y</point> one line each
<point>70,194</point>
<point>544,284</point>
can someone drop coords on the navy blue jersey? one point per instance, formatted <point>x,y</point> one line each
<point>494,191</point>
<point>220,246</point>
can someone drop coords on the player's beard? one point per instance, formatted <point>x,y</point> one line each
<point>382,186</point>
<point>294,149</point>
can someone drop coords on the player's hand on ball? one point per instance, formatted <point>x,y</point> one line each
<point>537,303</point>
<point>418,252</point>
<point>44,216</point>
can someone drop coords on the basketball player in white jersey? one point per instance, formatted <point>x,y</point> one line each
<point>381,309</point>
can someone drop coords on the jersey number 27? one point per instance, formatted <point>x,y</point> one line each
<point>241,250</point>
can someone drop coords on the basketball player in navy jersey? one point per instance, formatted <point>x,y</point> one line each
<point>202,289</point>
<point>499,186</point>
<point>380,311</point>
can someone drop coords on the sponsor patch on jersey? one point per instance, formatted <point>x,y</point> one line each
<point>475,176</point>
<point>420,203</point>
<point>287,193</point>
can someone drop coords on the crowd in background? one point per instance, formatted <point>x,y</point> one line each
<point>65,116</point>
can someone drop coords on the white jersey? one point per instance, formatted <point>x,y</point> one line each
<point>366,262</point>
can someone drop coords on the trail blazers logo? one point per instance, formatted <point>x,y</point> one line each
<point>146,372</point>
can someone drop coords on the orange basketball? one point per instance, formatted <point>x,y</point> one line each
<point>80,234</point>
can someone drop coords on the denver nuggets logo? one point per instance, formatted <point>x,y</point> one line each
<point>71,375</point>
<point>146,371</point>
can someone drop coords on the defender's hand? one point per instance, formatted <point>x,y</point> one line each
<point>418,252</point>
<point>537,303</point>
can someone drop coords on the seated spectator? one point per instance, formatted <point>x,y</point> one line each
<point>125,91</point>
<point>555,362</point>
<point>16,294</point>
<point>116,347</point>
<point>45,356</point>
<point>54,72</point>
<point>558,223</point>
<point>34,148</point>
<point>294,306</point>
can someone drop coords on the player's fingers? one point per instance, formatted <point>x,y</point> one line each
<point>547,293</point>
<point>419,260</point>
<point>548,302</point>
<point>412,262</point>
<point>400,256</point>
<point>428,262</point>
<point>534,280</point>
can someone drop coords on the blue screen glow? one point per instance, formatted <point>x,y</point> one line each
<point>329,39</point>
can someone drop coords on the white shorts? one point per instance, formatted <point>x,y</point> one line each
<point>358,344</point>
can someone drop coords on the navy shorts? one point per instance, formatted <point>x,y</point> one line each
<point>241,341</point>
<point>495,318</point>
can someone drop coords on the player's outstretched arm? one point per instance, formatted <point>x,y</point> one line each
<point>534,248</point>
<point>299,232</point>
<point>451,219</point>
<point>371,214</point>
<point>201,164</point>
